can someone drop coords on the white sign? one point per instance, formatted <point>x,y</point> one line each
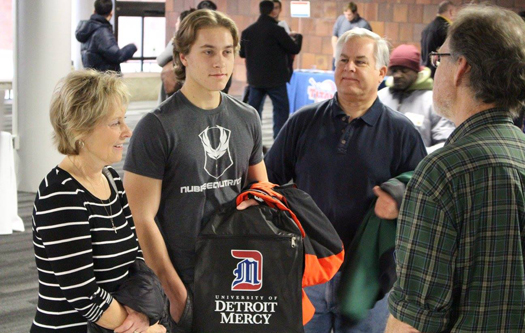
<point>300,8</point>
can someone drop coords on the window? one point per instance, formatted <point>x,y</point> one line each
<point>142,23</point>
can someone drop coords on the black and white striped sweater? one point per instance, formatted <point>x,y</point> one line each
<point>79,257</point>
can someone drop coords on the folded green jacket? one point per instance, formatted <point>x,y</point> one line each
<point>369,270</point>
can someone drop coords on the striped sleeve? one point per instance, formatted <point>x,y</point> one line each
<point>65,258</point>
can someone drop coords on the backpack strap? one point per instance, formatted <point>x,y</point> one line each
<point>263,192</point>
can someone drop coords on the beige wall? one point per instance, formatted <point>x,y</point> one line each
<point>401,21</point>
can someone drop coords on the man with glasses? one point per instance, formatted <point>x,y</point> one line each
<point>435,58</point>
<point>460,243</point>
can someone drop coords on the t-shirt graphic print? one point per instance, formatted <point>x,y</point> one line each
<point>215,141</point>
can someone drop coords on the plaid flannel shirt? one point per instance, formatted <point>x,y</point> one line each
<point>461,233</point>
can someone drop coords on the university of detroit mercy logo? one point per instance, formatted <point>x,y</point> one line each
<point>248,274</point>
<point>215,141</point>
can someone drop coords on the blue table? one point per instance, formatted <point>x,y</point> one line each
<point>310,86</point>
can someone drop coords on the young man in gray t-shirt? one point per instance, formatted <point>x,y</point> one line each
<point>192,154</point>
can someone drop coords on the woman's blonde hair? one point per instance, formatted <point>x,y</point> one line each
<point>79,101</point>
<point>187,34</point>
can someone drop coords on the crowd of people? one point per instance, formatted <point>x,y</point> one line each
<point>459,244</point>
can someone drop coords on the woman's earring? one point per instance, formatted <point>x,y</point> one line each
<point>81,143</point>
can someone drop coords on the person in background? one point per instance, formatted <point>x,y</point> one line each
<point>409,91</point>
<point>339,151</point>
<point>165,59</point>
<point>350,19</point>
<point>207,4</point>
<point>277,8</point>
<point>170,85</point>
<point>83,232</point>
<point>266,47</point>
<point>434,34</point>
<point>460,232</point>
<point>99,47</point>
<point>191,155</point>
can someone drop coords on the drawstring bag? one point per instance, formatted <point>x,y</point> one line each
<point>252,264</point>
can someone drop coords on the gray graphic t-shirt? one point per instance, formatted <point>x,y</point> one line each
<point>202,158</point>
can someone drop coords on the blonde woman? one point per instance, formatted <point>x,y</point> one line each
<point>83,232</point>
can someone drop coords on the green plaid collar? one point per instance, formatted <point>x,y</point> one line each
<point>479,120</point>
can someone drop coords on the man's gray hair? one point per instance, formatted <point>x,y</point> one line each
<point>492,40</point>
<point>381,51</point>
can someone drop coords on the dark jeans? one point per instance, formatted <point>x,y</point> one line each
<point>281,106</point>
<point>327,318</point>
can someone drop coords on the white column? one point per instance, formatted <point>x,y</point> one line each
<point>43,56</point>
<point>81,10</point>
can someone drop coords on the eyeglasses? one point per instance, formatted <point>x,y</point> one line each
<point>435,58</point>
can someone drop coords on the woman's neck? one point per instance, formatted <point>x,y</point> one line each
<point>87,174</point>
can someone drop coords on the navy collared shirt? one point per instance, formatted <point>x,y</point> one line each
<point>338,162</point>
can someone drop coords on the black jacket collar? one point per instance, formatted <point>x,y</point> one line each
<point>266,18</point>
<point>99,18</point>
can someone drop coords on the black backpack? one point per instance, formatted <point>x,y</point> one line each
<point>248,273</point>
<point>251,265</point>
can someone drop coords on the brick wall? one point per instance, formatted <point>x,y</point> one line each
<point>401,21</point>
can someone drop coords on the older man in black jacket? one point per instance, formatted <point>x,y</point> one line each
<point>100,50</point>
<point>266,47</point>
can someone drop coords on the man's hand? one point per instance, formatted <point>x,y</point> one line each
<point>247,203</point>
<point>386,207</point>
<point>134,322</point>
<point>396,326</point>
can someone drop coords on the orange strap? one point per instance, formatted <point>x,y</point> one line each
<point>263,191</point>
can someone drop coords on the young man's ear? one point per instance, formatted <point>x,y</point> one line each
<point>183,59</point>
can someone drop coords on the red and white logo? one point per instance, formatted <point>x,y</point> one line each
<point>248,273</point>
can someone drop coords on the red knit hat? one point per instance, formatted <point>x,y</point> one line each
<point>406,56</point>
